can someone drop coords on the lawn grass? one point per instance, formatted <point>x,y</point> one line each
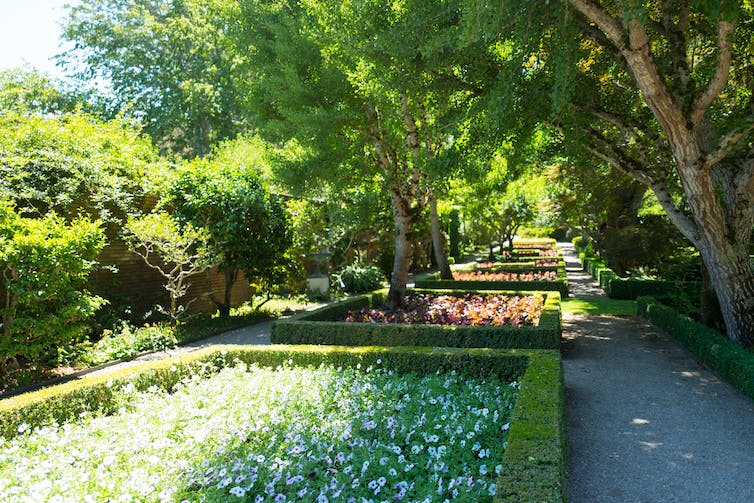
<point>598,306</point>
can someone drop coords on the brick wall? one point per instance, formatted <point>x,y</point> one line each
<point>139,286</point>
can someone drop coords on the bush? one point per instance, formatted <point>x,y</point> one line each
<point>533,466</point>
<point>323,326</point>
<point>123,344</point>
<point>357,278</point>
<point>728,360</point>
<point>45,263</point>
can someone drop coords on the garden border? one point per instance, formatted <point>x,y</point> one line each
<point>729,361</point>
<point>533,466</point>
<point>320,327</point>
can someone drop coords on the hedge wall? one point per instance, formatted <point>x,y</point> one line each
<point>323,326</point>
<point>560,285</point>
<point>728,360</point>
<point>632,288</point>
<point>533,466</point>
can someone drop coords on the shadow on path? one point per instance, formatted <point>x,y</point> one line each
<point>644,422</point>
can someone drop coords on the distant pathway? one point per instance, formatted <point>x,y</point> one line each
<point>644,422</point>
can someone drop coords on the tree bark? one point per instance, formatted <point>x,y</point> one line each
<point>399,277</point>
<point>438,243</point>
<point>721,214</point>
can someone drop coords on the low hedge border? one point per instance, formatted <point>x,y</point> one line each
<point>728,360</point>
<point>560,285</point>
<point>323,326</point>
<point>633,288</point>
<point>533,466</point>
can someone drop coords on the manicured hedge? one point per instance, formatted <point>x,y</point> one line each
<point>632,288</point>
<point>560,285</point>
<point>534,462</point>
<point>726,359</point>
<point>323,326</point>
<point>533,467</point>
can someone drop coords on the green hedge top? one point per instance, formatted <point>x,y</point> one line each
<point>533,467</point>
<point>324,326</point>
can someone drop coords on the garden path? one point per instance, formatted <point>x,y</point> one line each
<point>644,422</point>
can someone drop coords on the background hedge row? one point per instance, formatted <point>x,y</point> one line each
<point>323,326</point>
<point>728,360</point>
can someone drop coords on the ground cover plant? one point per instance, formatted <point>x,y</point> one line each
<point>493,275</point>
<point>468,309</point>
<point>349,434</point>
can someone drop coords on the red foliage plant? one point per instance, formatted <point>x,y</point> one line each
<point>464,310</point>
<point>506,276</point>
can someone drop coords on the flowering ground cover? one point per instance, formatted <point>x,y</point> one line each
<point>469,309</point>
<point>285,434</point>
<point>506,276</point>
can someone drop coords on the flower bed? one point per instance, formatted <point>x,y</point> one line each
<point>347,433</point>
<point>533,465</point>
<point>506,276</point>
<point>465,310</point>
<point>326,325</point>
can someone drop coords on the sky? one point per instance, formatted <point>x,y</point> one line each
<point>30,32</point>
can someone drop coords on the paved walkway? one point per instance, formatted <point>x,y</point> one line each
<point>644,422</point>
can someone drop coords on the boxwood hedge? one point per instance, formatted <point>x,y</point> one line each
<point>560,285</point>
<point>533,466</point>
<point>728,360</point>
<point>323,326</point>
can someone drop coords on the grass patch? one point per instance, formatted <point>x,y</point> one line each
<point>598,306</point>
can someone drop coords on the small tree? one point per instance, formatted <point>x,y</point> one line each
<point>45,264</point>
<point>176,253</point>
<point>247,227</point>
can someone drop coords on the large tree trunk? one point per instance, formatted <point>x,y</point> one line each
<point>718,191</point>
<point>399,278</point>
<point>438,243</point>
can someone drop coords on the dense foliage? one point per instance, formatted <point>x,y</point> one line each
<point>248,228</point>
<point>45,264</point>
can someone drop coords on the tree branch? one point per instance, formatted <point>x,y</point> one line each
<point>604,21</point>
<point>720,78</point>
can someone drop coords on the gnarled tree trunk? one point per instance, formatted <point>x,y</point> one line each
<point>438,243</point>
<point>402,217</point>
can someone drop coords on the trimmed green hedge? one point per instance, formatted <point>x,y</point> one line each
<point>560,285</point>
<point>726,359</point>
<point>534,462</point>
<point>533,466</point>
<point>323,326</point>
<point>632,288</point>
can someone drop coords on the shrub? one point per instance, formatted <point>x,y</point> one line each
<point>122,344</point>
<point>731,362</point>
<point>45,264</point>
<point>357,278</point>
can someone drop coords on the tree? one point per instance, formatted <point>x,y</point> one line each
<point>74,163</point>
<point>177,253</point>
<point>672,106</point>
<point>370,90</point>
<point>167,62</point>
<point>248,228</point>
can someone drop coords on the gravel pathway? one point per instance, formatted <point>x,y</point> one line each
<point>644,422</point>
